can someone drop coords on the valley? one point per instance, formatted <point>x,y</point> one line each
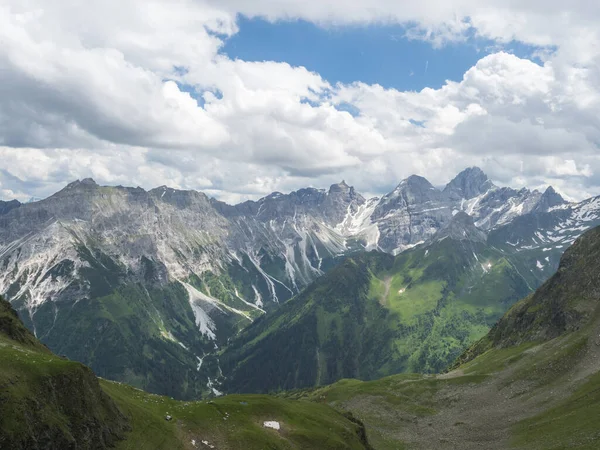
<point>531,383</point>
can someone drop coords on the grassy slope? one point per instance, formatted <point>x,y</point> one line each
<point>375,315</point>
<point>47,401</point>
<point>50,402</point>
<point>532,396</point>
<point>232,422</point>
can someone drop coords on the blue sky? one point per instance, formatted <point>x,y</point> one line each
<point>373,54</point>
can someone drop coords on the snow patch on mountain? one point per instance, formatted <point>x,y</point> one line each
<point>203,321</point>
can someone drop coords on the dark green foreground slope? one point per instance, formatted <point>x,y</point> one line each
<point>533,382</point>
<point>47,402</point>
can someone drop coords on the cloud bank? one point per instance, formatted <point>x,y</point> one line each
<point>137,93</point>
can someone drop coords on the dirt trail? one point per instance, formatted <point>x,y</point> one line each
<point>388,284</point>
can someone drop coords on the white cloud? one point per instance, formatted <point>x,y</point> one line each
<point>99,89</point>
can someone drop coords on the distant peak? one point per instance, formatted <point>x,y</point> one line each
<point>549,199</point>
<point>339,187</point>
<point>474,170</point>
<point>414,181</point>
<point>550,193</point>
<point>469,183</point>
<point>6,206</point>
<point>86,182</point>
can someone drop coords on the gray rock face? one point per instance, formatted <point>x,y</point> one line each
<point>286,240</point>
<point>340,201</point>
<point>501,205</point>
<point>415,211</point>
<point>461,228</point>
<point>410,214</point>
<point>468,184</point>
<point>549,199</point>
<point>7,206</point>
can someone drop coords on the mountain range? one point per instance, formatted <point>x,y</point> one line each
<point>150,287</point>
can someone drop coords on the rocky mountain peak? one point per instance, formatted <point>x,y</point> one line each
<point>340,187</point>
<point>179,197</point>
<point>416,190</point>
<point>343,190</point>
<point>469,183</point>
<point>461,227</point>
<point>5,207</point>
<point>86,183</point>
<point>549,199</point>
<point>416,181</point>
<point>339,200</point>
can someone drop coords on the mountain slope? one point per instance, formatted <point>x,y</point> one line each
<point>49,402</point>
<point>52,403</point>
<point>532,383</point>
<point>376,315</point>
<point>143,286</point>
<point>565,303</point>
<point>5,207</point>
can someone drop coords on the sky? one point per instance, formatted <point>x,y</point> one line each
<point>239,99</point>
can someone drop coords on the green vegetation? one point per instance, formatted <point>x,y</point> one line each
<point>375,315</point>
<point>47,401</point>
<point>233,422</point>
<point>50,402</point>
<point>142,335</point>
<point>533,382</point>
<point>572,423</point>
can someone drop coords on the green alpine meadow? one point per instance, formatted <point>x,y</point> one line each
<point>376,315</point>
<point>532,382</point>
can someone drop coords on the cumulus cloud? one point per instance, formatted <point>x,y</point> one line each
<point>136,92</point>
